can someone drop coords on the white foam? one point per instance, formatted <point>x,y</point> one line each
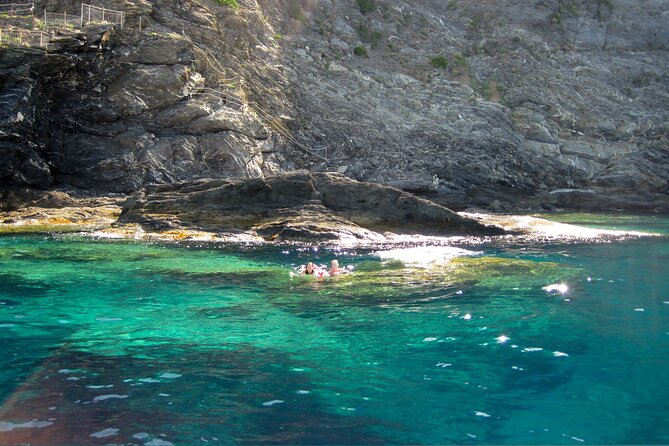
<point>168,375</point>
<point>8,427</point>
<point>105,433</point>
<point>141,435</point>
<point>149,380</point>
<point>65,371</point>
<point>482,414</point>
<point>559,354</point>
<point>467,317</point>
<point>502,339</point>
<point>303,392</point>
<point>531,349</point>
<point>108,319</point>
<point>109,397</point>
<point>444,364</point>
<point>424,255</point>
<point>158,442</point>
<point>556,288</point>
<point>272,403</point>
<point>429,339</point>
<point>639,309</point>
<point>577,439</point>
<point>549,229</point>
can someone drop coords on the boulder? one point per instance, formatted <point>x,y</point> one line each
<point>295,206</point>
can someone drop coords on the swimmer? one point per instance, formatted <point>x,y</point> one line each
<point>312,270</point>
<point>335,269</point>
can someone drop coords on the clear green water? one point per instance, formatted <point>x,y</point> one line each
<point>119,342</point>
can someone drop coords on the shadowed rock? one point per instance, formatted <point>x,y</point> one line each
<point>295,206</point>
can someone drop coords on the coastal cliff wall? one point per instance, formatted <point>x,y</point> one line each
<point>489,104</point>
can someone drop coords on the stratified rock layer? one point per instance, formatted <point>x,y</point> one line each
<point>295,206</point>
<point>498,104</point>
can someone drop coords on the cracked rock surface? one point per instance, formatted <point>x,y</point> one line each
<point>494,104</point>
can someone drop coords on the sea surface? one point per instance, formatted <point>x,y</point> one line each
<point>500,342</point>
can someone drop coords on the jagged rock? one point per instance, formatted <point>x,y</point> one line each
<point>295,206</point>
<point>534,98</point>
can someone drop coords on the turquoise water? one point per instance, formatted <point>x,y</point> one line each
<point>127,343</point>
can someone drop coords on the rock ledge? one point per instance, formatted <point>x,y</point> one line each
<point>297,206</point>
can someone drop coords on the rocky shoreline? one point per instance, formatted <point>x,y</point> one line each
<point>297,207</point>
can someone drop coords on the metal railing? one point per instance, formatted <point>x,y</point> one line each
<point>61,19</point>
<point>24,37</point>
<point>17,9</point>
<point>89,14</point>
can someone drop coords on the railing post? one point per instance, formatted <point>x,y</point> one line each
<point>89,13</point>
<point>65,19</point>
<point>45,17</point>
<point>82,16</point>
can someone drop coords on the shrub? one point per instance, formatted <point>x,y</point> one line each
<point>366,6</point>
<point>459,64</point>
<point>360,51</point>
<point>295,11</point>
<point>476,22</point>
<point>231,3</point>
<point>439,62</point>
<point>492,90</point>
<point>568,8</point>
<point>371,36</point>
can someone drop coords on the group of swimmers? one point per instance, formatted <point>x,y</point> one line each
<point>312,269</point>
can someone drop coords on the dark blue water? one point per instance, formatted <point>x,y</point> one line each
<point>128,343</point>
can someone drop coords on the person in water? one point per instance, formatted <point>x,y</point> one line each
<point>312,270</point>
<point>335,269</point>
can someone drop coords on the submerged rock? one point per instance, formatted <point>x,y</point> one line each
<point>295,206</point>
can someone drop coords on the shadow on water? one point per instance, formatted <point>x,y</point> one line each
<point>15,287</point>
<point>241,395</point>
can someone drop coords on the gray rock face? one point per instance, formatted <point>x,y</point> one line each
<point>533,98</point>
<point>295,206</point>
<point>112,109</point>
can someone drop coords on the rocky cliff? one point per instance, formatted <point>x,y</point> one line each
<point>494,104</point>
